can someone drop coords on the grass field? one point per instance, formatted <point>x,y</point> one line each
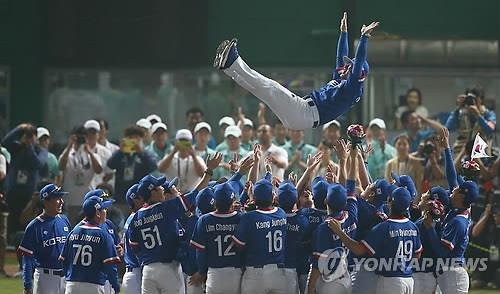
<point>15,285</point>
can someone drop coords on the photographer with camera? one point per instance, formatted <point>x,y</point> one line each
<point>471,117</point>
<point>430,152</point>
<point>79,166</point>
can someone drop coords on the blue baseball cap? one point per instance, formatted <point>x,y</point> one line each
<point>336,197</point>
<point>287,194</point>
<point>148,184</point>
<point>470,190</point>
<point>319,190</point>
<point>237,187</point>
<point>381,189</point>
<point>263,190</point>
<point>400,199</point>
<point>97,192</point>
<point>205,200</point>
<point>440,193</point>
<point>168,184</point>
<point>224,193</point>
<point>406,182</point>
<point>51,190</point>
<point>131,195</point>
<point>94,203</point>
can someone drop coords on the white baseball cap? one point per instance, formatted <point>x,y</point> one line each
<point>333,122</point>
<point>92,124</point>
<point>227,120</point>
<point>232,131</point>
<point>246,122</point>
<point>143,123</point>
<point>158,125</point>
<point>154,117</point>
<point>377,122</point>
<point>184,134</point>
<point>202,125</point>
<point>41,131</point>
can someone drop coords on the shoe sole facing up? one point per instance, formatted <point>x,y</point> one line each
<point>219,54</point>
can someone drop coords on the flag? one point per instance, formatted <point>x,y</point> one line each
<point>479,148</point>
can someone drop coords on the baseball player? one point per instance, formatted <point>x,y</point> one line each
<point>89,252</point>
<point>407,183</point>
<point>297,230</point>
<point>320,106</point>
<point>395,241</point>
<point>261,235</point>
<point>132,278</point>
<point>329,273</point>
<point>187,254</point>
<point>217,257</point>
<point>43,242</point>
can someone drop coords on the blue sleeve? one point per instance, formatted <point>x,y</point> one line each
<point>451,173</point>
<point>148,161</point>
<point>452,121</point>
<point>374,240</point>
<point>268,176</point>
<point>28,264</point>
<point>444,246</point>
<point>109,259</point>
<point>37,157</point>
<point>360,59</point>
<point>201,261</point>
<point>190,197</point>
<point>241,234</point>
<point>11,140</point>
<point>352,201</point>
<point>243,198</point>
<point>350,186</point>
<point>342,50</point>
<point>236,177</point>
<point>321,238</point>
<point>198,240</point>
<point>487,122</point>
<point>111,271</point>
<point>28,243</point>
<point>114,162</point>
<point>115,235</point>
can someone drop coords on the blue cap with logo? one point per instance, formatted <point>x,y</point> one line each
<point>440,193</point>
<point>406,182</point>
<point>319,190</point>
<point>237,187</point>
<point>169,184</point>
<point>287,195</point>
<point>224,193</point>
<point>51,190</point>
<point>131,195</point>
<point>381,189</point>
<point>97,192</point>
<point>94,203</point>
<point>400,199</point>
<point>205,200</point>
<point>148,184</point>
<point>263,190</point>
<point>336,197</point>
<point>470,190</point>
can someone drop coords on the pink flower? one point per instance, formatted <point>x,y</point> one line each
<point>355,131</point>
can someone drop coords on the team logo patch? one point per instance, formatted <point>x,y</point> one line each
<point>111,231</point>
<point>332,264</point>
<point>45,232</point>
<point>66,229</point>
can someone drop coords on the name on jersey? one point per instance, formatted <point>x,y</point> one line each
<point>316,219</point>
<point>272,223</point>
<point>293,227</point>
<point>402,233</point>
<point>54,241</point>
<point>85,237</point>
<point>148,219</point>
<point>221,228</point>
<point>346,230</point>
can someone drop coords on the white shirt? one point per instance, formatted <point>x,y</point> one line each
<point>184,170</point>
<point>111,147</point>
<point>77,176</point>
<point>104,154</point>
<point>280,154</point>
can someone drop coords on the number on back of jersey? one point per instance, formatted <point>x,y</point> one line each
<point>274,241</point>
<point>151,237</point>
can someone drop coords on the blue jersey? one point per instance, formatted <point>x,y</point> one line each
<point>296,234</point>
<point>154,231</point>
<point>315,217</point>
<point>396,242</point>
<point>428,254</point>
<point>368,216</point>
<point>212,237</point>
<point>129,256</point>
<point>262,235</point>
<point>187,254</point>
<point>109,227</point>
<point>89,255</point>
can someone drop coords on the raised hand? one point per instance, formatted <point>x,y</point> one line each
<point>234,163</point>
<point>268,162</point>
<point>275,181</point>
<point>257,152</point>
<point>292,177</point>
<point>245,165</point>
<point>367,29</point>
<point>214,161</point>
<point>444,138</point>
<point>341,148</point>
<point>313,161</point>
<point>343,23</point>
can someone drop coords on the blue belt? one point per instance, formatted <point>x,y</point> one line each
<point>55,272</point>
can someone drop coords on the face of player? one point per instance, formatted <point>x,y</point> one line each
<point>331,134</point>
<point>423,204</point>
<point>402,147</point>
<point>202,137</point>
<point>160,138</point>
<point>233,143</point>
<point>264,134</point>
<point>101,215</point>
<point>457,198</point>
<point>246,134</point>
<point>53,205</point>
<point>193,118</point>
<point>157,195</point>
<point>138,203</point>
<point>305,200</point>
<point>296,136</point>
<point>412,100</point>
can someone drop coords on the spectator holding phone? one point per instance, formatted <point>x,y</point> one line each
<point>183,163</point>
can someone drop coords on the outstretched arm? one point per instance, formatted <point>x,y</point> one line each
<point>360,57</point>
<point>342,46</point>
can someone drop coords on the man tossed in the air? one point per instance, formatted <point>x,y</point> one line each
<point>320,106</point>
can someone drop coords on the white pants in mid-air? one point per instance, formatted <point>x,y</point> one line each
<point>224,280</point>
<point>132,281</point>
<point>83,288</point>
<point>46,283</point>
<point>162,278</point>
<point>293,111</point>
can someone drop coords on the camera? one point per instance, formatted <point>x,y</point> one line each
<point>428,148</point>
<point>469,99</point>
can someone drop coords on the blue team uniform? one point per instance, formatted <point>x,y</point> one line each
<point>315,217</point>
<point>369,215</point>
<point>338,96</point>
<point>261,234</point>
<point>89,255</point>
<point>212,238</point>
<point>187,254</point>
<point>395,240</point>
<point>130,258</point>
<point>297,231</point>
<point>42,243</point>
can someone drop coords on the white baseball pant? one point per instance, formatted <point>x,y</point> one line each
<point>267,280</point>
<point>424,283</point>
<point>225,280</point>
<point>190,289</point>
<point>303,283</point>
<point>83,288</point>
<point>342,285</point>
<point>162,278</point>
<point>292,280</point>
<point>394,285</point>
<point>293,111</point>
<point>132,281</point>
<point>47,283</point>
<point>365,281</point>
<point>108,289</point>
<point>454,280</point>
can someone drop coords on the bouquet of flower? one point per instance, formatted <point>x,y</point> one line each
<point>436,209</point>
<point>356,134</point>
<point>470,170</point>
